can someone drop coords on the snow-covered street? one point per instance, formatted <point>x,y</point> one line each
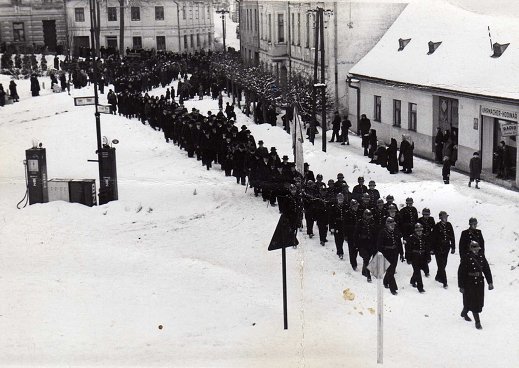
<point>186,248</point>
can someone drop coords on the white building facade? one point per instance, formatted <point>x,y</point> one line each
<point>179,26</point>
<point>454,82</point>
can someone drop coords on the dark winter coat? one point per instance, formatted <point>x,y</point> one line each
<point>405,157</point>
<point>392,160</point>
<point>365,237</point>
<point>409,217</point>
<point>475,168</point>
<point>417,249</point>
<point>390,245</point>
<point>466,237</point>
<point>472,272</point>
<point>12,90</point>
<point>443,238</point>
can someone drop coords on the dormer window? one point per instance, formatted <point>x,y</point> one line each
<point>499,49</point>
<point>433,46</point>
<point>402,43</point>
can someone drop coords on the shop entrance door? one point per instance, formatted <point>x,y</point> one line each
<point>510,148</point>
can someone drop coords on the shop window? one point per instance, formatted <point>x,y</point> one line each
<point>397,113</point>
<point>378,108</point>
<point>412,116</point>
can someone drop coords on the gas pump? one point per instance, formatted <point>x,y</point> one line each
<point>108,184</point>
<point>37,175</point>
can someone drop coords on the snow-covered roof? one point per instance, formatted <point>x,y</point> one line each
<point>462,62</point>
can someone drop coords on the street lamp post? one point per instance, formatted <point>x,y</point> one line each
<point>222,13</point>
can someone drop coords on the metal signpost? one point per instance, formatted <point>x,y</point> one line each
<point>378,266</point>
<point>84,101</point>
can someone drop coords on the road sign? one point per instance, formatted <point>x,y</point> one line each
<point>84,101</point>
<point>378,265</point>
<point>103,109</point>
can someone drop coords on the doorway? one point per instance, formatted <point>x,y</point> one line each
<point>510,147</point>
<point>49,34</point>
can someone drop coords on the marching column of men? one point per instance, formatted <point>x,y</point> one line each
<point>360,217</point>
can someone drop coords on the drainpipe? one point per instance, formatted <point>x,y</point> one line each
<point>178,26</point>
<point>290,35</point>
<point>335,49</point>
<point>351,80</point>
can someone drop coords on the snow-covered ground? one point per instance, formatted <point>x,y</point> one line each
<point>90,286</point>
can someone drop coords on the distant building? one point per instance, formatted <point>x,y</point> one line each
<point>180,26</point>
<point>33,22</point>
<point>435,68</point>
<point>279,36</point>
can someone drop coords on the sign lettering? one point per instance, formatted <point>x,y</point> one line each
<point>498,113</point>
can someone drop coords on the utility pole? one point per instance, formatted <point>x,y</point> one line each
<point>121,28</point>
<point>222,13</point>
<point>319,36</point>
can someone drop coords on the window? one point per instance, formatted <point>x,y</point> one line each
<point>159,13</point>
<point>308,30</point>
<point>293,37</point>
<point>197,40</point>
<point>256,20</point>
<point>281,28</point>
<point>161,42</point>
<point>378,108</point>
<point>270,28</point>
<point>186,46</point>
<point>112,14</point>
<point>397,113</point>
<point>412,116</point>
<point>261,27</point>
<point>137,43</point>
<point>18,32</point>
<point>192,41</point>
<point>80,14</point>
<point>136,13</point>
<point>184,12</point>
<point>197,11</point>
<point>298,29</point>
<point>209,39</point>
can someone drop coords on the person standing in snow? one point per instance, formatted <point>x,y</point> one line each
<point>443,240</point>
<point>405,157</point>
<point>363,132</point>
<point>472,272</point>
<point>336,127</point>
<point>475,169</point>
<point>392,160</point>
<point>438,145</point>
<point>446,169</point>
<point>337,223</point>
<point>345,126</point>
<point>13,91</point>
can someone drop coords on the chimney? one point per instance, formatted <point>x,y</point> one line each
<point>402,43</point>
<point>499,49</point>
<point>433,46</point>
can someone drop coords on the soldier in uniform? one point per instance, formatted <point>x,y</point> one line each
<point>417,253</point>
<point>409,217</point>
<point>365,238</point>
<point>310,193</point>
<point>472,271</point>
<point>374,194</point>
<point>471,234</point>
<point>443,241</point>
<point>359,189</point>
<point>352,217</point>
<point>292,207</point>
<point>337,222</point>
<point>319,181</point>
<point>321,208</point>
<point>389,244</point>
<point>390,201</point>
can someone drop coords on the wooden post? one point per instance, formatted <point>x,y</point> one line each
<point>284,267</point>
<point>323,81</point>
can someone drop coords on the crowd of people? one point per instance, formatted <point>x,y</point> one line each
<point>360,216</point>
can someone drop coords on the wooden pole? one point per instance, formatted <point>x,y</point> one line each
<point>314,90</point>
<point>380,311</point>
<point>284,268</point>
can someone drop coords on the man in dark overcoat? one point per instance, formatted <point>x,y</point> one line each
<point>443,241</point>
<point>389,244</point>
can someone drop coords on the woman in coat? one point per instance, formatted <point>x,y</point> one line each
<point>35,86</point>
<point>13,92</point>
<point>406,155</point>
<point>472,272</point>
<point>392,160</point>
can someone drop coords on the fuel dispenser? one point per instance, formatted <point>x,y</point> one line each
<point>36,160</point>
<point>108,186</point>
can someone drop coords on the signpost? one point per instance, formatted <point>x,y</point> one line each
<point>378,266</point>
<point>84,101</point>
<point>104,109</point>
<point>284,237</point>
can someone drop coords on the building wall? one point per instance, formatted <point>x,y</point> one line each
<point>350,32</point>
<point>471,137</point>
<point>182,20</point>
<point>31,14</point>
